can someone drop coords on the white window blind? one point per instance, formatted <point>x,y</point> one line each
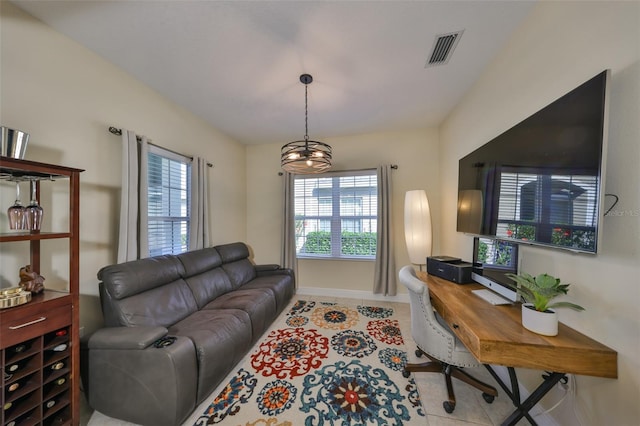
<point>336,215</point>
<point>554,208</point>
<point>168,206</point>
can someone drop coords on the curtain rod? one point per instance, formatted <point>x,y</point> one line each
<point>118,132</point>
<point>393,166</point>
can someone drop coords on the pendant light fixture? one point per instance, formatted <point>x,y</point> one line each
<point>305,156</point>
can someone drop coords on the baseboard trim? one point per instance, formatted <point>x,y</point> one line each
<point>351,294</point>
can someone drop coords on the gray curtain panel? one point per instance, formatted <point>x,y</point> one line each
<point>288,258</point>
<point>385,272</point>
<point>199,227</point>
<point>133,239</point>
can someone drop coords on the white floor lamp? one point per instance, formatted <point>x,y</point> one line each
<point>417,226</point>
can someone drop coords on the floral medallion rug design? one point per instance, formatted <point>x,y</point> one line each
<point>322,364</point>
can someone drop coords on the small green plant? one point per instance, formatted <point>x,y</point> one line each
<point>541,290</point>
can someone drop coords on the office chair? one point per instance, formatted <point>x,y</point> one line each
<point>434,338</point>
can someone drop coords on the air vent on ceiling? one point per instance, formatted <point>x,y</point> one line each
<point>443,48</point>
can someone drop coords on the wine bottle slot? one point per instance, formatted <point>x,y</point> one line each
<point>16,366</point>
<point>61,347</point>
<point>57,366</point>
<point>22,347</point>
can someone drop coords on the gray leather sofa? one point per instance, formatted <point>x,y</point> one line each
<point>175,327</point>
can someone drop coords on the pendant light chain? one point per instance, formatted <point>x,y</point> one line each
<point>306,114</point>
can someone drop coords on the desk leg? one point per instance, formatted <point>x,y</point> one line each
<point>522,409</point>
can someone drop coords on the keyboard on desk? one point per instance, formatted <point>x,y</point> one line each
<point>491,297</point>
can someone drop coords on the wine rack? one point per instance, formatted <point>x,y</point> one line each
<point>39,340</point>
<point>35,382</point>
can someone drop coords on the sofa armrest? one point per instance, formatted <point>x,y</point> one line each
<point>134,380</point>
<point>264,270</point>
<point>269,267</point>
<point>126,337</point>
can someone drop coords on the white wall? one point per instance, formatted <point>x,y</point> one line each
<point>66,97</point>
<point>415,153</point>
<point>561,45</point>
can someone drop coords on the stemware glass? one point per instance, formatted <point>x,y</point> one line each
<point>16,212</point>
<point>33,212</point>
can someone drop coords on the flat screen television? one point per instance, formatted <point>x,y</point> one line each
<point>541,182</point>
<point>492,261</point>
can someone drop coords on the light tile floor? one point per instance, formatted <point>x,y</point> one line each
<point>471,409</point>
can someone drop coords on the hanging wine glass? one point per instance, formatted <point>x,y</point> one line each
<point>16,213</point>
<point>33,212</point>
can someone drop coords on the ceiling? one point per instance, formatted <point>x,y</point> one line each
<point>236,64</point>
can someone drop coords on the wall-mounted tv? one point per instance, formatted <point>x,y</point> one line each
<point>541,182</point>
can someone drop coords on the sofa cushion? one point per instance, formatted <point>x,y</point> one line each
<point>162,306</point>
<point>233,251</point>
<point>129,278</point>
<point>209,285</point>
<point>202,272</point>
<point>146,292</point>
<point>259,304</point>
<point>221,338</point>
<point>280,286</point>
<point>198,261</point>
<point>236,263</point>
<point>240,272</point>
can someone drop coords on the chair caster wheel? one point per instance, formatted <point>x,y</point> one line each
<point>405,373</point>
<point>488,398</point>
<point>418,353</point>
<point>449,406</point>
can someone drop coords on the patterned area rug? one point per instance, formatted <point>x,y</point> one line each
<point>322,364</point>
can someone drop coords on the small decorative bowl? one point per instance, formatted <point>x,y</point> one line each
<point>14,296</point>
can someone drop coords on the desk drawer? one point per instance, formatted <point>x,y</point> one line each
<point>461,331</point>
<point>34,322</point>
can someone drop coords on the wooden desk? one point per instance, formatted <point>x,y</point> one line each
<point>495,335</point>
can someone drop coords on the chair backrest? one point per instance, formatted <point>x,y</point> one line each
<point>430,336</point>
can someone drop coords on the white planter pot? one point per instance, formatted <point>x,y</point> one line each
<point>545,323</point>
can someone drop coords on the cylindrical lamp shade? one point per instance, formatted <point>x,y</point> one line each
<point>417,226</point>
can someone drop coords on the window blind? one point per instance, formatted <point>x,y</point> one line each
<point>558,208</point>
<point>336,215</point>
<point>169,213</point>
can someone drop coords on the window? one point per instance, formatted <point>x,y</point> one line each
<point>336,215</point>
<point>169,192</point>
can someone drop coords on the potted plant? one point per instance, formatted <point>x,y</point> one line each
<point>538,314</point>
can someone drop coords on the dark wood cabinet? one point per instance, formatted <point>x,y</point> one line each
<point>39,340</point>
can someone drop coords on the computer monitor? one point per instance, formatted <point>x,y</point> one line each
<point>492,261</point>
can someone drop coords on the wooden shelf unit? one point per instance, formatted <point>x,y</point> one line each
<point>39,340</point>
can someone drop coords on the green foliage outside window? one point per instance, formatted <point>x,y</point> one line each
<point>317,243</point>
<point>566,237</point>
<point>521,232</point>
<point>576,238</point>
<point>482,252</point>
<point>502,253</point>
<point>353,243</point>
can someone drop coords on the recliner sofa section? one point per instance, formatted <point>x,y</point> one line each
<point>212,303</point>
